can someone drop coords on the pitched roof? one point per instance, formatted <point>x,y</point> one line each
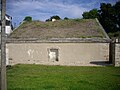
<point>74,28</point>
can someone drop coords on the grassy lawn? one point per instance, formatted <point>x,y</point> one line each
<point>40,77</point>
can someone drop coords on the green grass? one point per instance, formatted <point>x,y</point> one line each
<point>40,77</point>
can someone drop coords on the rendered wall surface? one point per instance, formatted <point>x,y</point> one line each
<point>68,53</point>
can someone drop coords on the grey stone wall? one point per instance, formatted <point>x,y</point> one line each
<point>117,54</point>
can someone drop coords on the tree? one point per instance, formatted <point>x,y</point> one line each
<point>117,9</point>
<point>85,15</point>
<point>28,18</point>
<point>109,17</point>
<point>54,17</point>
<point>66,18</point>
<point>91,14</point>
<point>47,20</point>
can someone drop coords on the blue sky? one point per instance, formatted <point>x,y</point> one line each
<point>44,9</point>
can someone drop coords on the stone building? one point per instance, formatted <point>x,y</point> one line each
<point>8,27</point>
<point>80,42</point>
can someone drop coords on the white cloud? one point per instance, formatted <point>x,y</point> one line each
<point>43,9</point>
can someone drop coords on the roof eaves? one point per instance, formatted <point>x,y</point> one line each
<point>58,40</point>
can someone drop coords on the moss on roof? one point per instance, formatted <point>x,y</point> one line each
<point>74,28</point>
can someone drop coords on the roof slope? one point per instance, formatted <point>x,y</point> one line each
<point>74,28</point>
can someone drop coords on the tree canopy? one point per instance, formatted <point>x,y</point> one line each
<point>109,17</point>
<point>28,18</point>
<point>91,14</point>
<point>66,18</point>
<point>54,17</point>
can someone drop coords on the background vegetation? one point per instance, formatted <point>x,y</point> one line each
<point>54,17</point>
<point>28,18</point>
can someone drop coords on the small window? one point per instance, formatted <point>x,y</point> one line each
<point>7,23</point>
<point>53,55</point>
